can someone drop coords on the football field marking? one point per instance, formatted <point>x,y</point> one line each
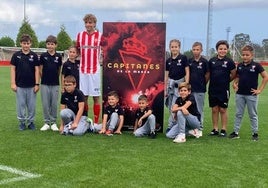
<point>23,175</point>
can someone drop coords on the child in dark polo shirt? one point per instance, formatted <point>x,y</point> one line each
<point>177,71</point>
<point>50,66</point>
<point>186,114</point>
<point>113,116</point>
<point>247,91</point>
<point>71,66</point>
<point>198,76</point>
<point>25,82</point>
<point>222,71</point>
<point>73,113</point>
<point>145,119</point>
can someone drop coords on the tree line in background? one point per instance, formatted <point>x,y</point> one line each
<point>240,40</point>
<point>65,41</point>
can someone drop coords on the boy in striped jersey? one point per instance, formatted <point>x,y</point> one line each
<point>89,43</point>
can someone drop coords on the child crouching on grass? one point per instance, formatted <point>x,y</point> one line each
<point>113,116</point>
<point>145,119</point>
<point>186,113</point>
<point>73,113</point>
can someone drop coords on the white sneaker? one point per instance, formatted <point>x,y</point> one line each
<point>54,127</point>
<point>195,132</point>
<point>45,127</point>
<point>180,138</point>
<point>200,133</point>
<point>90,121</point>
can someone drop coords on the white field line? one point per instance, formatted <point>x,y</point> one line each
<point>23,175</point>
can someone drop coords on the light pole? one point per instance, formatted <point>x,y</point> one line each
<point>162,18</point>
<point>24,10</point>
<point>209,28</point>
<point>228,30</point>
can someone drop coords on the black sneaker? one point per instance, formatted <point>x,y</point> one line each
<point>31,126</point>
<point>214,133</point>
<point>89,130</point>
<point>223,133</point>
<point>255,137</point>
<point>233,135</point>
<point>152,135</point>
<point>63,133</point>
<point>22,126</point>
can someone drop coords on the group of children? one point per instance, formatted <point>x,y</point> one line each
<point>79,79</point>
<point>185,79</point>
<point>190,77</point>
<point>26,70</point>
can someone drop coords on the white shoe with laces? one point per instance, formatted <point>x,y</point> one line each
<point>45,127</point>
<point>180,138</point>
<point>54,127</point>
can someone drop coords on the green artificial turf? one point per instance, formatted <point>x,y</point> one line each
<point>96,160</point>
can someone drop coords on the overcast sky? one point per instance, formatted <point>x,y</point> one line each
<point>185,19</point>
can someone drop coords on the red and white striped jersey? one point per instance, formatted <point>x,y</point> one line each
<point>90,48</point>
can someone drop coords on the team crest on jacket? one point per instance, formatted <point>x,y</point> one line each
<point>253,68</point>
<point>31,58</point>
<point>75,99</point>
<point>56,59</point>
<point>179,62</point>
<point>199,65</point>
<point>224,64</point>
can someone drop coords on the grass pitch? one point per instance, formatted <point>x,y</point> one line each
<point>125,161</point>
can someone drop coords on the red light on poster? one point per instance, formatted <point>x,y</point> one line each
<point>133,64</point>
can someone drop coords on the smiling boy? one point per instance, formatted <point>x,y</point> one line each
<point>247,91</point>
<point>221,72</point>
<point>113,116</point>
<point>186,113</point>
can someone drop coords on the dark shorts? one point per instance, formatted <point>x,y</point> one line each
<point>217,101</point>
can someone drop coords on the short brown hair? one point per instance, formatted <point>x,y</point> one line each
<point>142,98</point>
<point>185,84</point>
<point>25,38</point>
<point>113,93</point>
<point>70,79</point>
<point>90,17</point>
<point>52,39</point>
<point>247,48</point>
<point>197,44</point>
<point>222,42</point>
